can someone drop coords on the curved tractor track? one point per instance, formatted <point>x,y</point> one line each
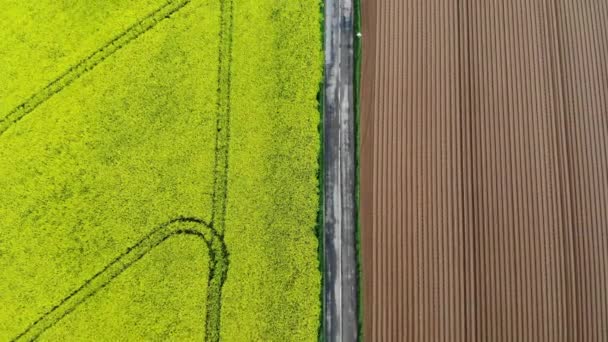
<point>211,233</point>
<point>179,226</point>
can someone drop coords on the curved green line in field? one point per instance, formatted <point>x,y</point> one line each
<point>182,225</point>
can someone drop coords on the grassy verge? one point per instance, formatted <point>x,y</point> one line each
<point>321,177</point>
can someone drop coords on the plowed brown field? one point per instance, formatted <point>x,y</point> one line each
<point>484,170</point>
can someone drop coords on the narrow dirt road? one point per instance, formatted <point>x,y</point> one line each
<point>340,280</point>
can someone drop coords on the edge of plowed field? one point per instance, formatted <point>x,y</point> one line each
<point>358,48</point>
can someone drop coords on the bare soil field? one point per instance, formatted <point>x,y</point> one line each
<point>484,170</point>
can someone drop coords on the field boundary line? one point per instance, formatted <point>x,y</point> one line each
<point>178,226</point>
<point>89,63</point>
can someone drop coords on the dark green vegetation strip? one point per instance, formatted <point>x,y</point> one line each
<point>357,99</point>
<point>211,233</point>
<point>321,178</point>
<point>90,62</point>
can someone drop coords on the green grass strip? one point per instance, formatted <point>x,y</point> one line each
<point>321,177</point>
